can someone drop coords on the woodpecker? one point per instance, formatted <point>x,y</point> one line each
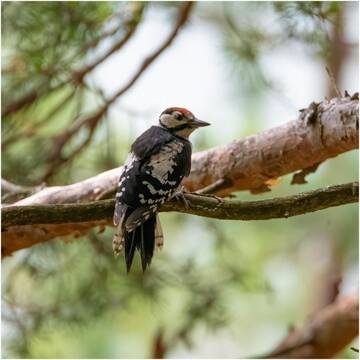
<point>158,161</point>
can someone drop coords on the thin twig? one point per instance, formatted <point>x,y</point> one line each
<point>132,25</point>
<point>333,82</point>
<point>182,19</point>
<point>215,187</point>
<point>78,75</point>
<point>36,125</point>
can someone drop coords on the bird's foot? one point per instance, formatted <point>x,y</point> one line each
<point>218,198</point>
<point>180,195</point>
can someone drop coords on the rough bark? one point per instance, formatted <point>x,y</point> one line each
<point>24,226</point>
<point>321,132</point>
<point>327,333</point>
<point>87,190</point>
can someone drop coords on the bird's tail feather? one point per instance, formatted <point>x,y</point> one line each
<point>142,238</point>
<point>148,241</point>
<point>130,246</point>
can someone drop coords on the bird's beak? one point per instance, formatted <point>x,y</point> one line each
<point>199,123</point>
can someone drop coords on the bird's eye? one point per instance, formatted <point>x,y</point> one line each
<point>178,116</point>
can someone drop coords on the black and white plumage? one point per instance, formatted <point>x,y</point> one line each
<point>159,159</point>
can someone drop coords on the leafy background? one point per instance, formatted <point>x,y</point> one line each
<point>219,288</point>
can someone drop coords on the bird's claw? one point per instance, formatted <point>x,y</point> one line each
<point>180,195</point>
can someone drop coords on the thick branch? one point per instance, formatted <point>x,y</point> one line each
<point>321,132</point>
<point>25,225</point>
<point>328,332</point>
<point>246,164</point>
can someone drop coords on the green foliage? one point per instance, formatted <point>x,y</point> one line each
<point>248,37</point>
<point>43,44</point>
<point>310,22</point>
<point>48,38</point>
<point>245,281</point>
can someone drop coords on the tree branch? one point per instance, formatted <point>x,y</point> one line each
<point>131,27</point>
<point>327,333</point>
<point>92,120</point>
<point>249,163</point>
<point>31,130</point>
<point>24,226</point>
<point>321,132</point>
<point>10,190</point>
<point>181,21</point>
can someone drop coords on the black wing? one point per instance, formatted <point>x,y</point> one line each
<point>150,142</point>
<point>148,181</point>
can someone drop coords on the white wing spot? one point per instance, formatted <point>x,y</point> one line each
<point>162,164</point>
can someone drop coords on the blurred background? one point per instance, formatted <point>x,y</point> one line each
<point>224,289</point>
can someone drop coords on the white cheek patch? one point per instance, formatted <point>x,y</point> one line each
<point>170,122</point>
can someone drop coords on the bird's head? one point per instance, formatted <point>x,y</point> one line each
<point>180,121</point>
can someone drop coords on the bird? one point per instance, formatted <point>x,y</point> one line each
<point>158,161</point>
